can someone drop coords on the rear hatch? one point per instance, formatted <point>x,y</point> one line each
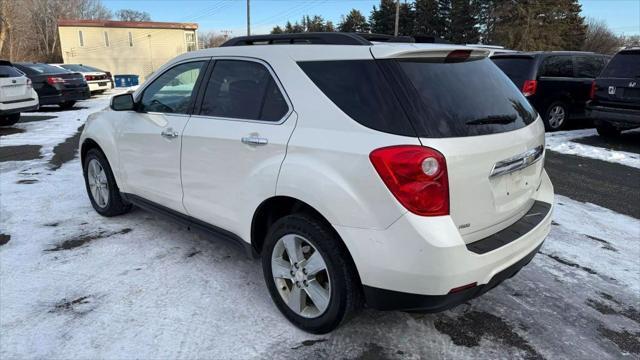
<point>14,86</point>
<point>461,104</point>
<point>619,83</point>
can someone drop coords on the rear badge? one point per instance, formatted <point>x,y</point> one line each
<point>464,226</point>
<point>612,90</point>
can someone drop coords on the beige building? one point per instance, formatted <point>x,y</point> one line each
<point>123,47</point>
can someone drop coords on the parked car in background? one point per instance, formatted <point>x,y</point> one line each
<point>361,171</point>
<point>557,83</point>
<point>98,81</point>
<point>54,85</point>
<point>615,94</point>
<point>16,94</point>
<point>109,75</point>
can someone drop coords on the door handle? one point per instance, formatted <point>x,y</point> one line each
<point>169,133</point>
<point>255,140</point>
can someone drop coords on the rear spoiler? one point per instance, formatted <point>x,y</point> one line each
<point>416,51</point>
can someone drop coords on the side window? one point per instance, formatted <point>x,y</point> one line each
<point>243,90</point>
<point>588,66</point>
<point>557,66</point>
<point>172,91</point>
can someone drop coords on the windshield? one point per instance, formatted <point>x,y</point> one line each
<point>518,69</point>
<point>434,99</point>
<point>625,64</point>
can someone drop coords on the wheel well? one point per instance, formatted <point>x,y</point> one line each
<point>87,145</point>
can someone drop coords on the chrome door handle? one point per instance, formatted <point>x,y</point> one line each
<point>169,133</point>
<point>255,140</point>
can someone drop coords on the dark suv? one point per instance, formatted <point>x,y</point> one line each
<point>557,83</point>
<point>615,94</point>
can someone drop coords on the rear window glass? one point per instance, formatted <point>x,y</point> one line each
<point>625,64</point>
<point>439,99</point>
<point>359,89</point>
<point>518,69</point>
<point>76,68</point>
<point>37,69</point>
<point>9,71</point>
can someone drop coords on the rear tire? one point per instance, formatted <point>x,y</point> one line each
<point>607,130</point>
<point>556,116</point>
<point>338,279</point>
<point>105,197</point>
<point>67,105</point>
<point>9,120</point>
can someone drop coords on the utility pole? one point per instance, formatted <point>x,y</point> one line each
<point>248,18</point>
<point>395,33</point>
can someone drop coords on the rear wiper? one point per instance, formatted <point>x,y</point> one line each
<point>496,119</point>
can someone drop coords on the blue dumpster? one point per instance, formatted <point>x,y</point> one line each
<point>127,80</point>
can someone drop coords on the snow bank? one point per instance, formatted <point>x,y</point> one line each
<point>561,142</point>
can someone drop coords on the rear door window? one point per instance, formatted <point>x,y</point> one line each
<point>588,66</point>
<point>557,66</point>
<point>625,64</point>
<point>517,68</point>
<point>427,98</point>
<point>246,90</point>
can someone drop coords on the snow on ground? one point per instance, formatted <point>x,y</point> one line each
<point>76,285</point>
<point>561,142</point>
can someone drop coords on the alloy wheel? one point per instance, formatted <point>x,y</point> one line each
<point>556,116</point>
<point>98,183</point>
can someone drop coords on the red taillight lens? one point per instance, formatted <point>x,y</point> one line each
<point>463,288</point>
<point>52,80</point>
<point>457,56</point>
<point>529,88</point>
<point>416,176</point>
<point>592,93</point>
<point>89,77</point>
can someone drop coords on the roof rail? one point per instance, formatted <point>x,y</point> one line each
<point>327,38</point>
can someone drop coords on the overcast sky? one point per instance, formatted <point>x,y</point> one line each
<point>622,16</point>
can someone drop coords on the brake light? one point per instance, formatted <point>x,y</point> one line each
<point>89,77</point>
<point>416,176</point>
<point>529,88</point>
<point>52,80</point>
<point>457,56</point>
<point>592,93</point>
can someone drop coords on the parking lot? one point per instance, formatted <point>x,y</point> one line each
<point>77,285</point>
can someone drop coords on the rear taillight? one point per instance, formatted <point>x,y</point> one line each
<point>416,176</point>
<point>594,88</point>
<point>89,77</point>
<point>529,88</point>
<point>52,80</point>
<point>457,56</point>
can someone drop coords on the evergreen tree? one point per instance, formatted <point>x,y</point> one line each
<point>383,19</point>
<point>277,30</point>
<point>427,18</point>
<point>354,22</point>
<point>463,26</point>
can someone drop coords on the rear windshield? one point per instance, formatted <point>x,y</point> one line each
<point>38,69</point>
<point>9,71</point>
<point>625,64</point>
<point>518,69</point>
<point>424,98</point>
<point>76,68</point>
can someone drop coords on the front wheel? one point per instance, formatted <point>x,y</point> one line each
<point>101,185</point>
<point>309,275</point>
<point>556,116</point>
<point>9,120</point>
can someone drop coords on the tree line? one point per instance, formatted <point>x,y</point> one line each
<point>525,25</point>
<point>29,28</point>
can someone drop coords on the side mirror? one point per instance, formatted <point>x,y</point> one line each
<point>123,102</point>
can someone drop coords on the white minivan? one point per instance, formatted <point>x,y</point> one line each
<point>16,94</point>
<point>362,171</point>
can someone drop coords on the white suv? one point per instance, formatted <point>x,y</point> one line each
<point>16,94</point>
<point>397,175</point>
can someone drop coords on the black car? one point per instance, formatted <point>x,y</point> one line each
<point>557,83</point>
<point>55,86</point>
<point>615,94</point>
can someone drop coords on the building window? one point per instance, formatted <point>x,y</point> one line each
<point>106,39</point>
<point>81,38</point>
<point>130,39</point>
<point>190,38</point>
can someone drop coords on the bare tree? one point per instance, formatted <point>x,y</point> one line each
<point>132,15</point>
<point>599,38</point>
<point>211,39</point>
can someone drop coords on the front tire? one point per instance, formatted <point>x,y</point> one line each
<point>309,275</point>
<point>556,116</point>
<point>9,120</point>
<point>101,185</point>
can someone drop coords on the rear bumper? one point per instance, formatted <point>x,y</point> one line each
<point>417,261</point>
<point>66,95</point>
<point>96,85</point>
<point>18,107</point>
<point>619,117</point>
